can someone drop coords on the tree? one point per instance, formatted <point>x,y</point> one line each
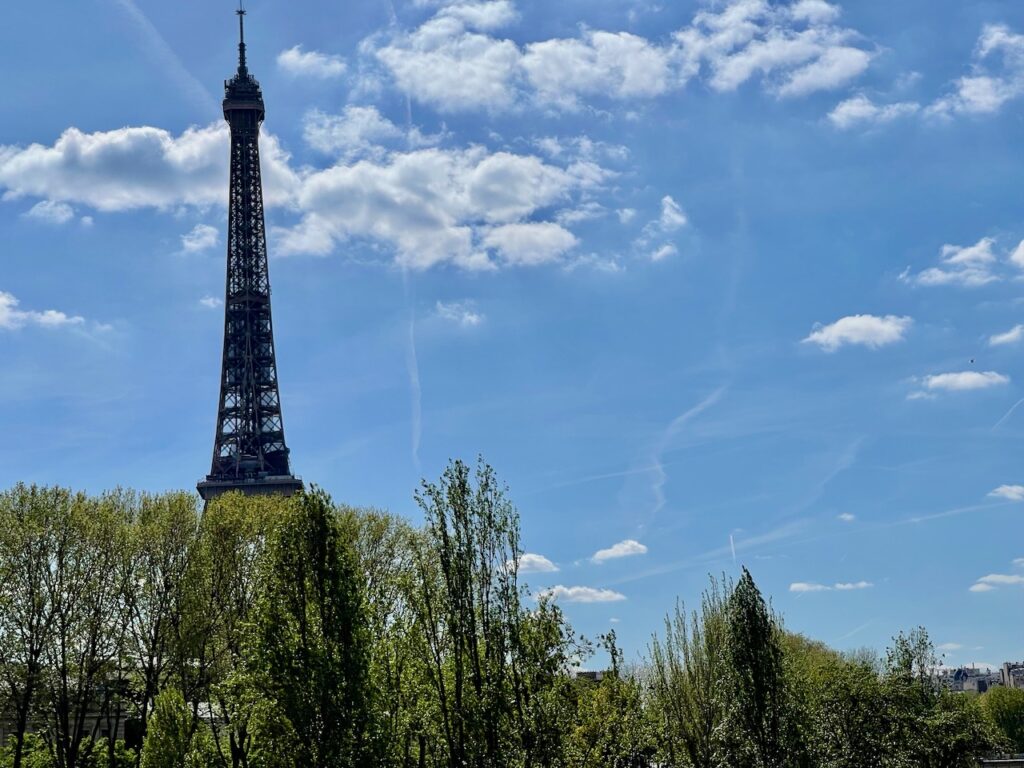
<point>841,707</point>
<point>310,652</point>
<point>611,729</point>
<point>1005,708</point>
<point>86,591</point>
<point>687,672</point>
<point>489,662</point>
<point>27,554</point>
<point>213,614</point>
<point>756,722</point>
<point>162,538</point>
<point>169,738</point>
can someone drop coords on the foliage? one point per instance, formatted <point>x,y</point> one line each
<point>310,652</point>
<point>265,632</point>
<point>1005,709</point>
<point>687,668</point>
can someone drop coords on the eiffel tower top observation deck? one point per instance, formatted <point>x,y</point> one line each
<point>249,453</point>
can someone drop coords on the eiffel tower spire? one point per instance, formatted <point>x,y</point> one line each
<point>249,451</point>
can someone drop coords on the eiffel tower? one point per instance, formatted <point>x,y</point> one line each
<point>249,451</point>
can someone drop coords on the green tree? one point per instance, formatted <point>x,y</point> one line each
<point>756,723</point>
<point>687,673</point>
<point>489,662</point>
<point>28,546</point>
<point>840,705</point>
<point>611,728</point>
<point>1005,708</point>
<point>310,652</point>
<point>171,741</point>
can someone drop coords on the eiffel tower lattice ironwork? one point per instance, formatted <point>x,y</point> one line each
<point>249,453</point>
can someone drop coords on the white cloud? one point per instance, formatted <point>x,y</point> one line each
<point>987,89</point>
<point>300,63</point>
<point>12,318</point>
<point>969,266</point>
<point>1009,492</point>
<point>982,588</point>
<point>626,215</point>
<point>866,330</point>
<point>853,586</point>
<point>482,15</point>
<point>461,313</point>
<point>616,65</point>
<point>531,563</point>
<point>862,111</point>
<point>672,216</point>
<point>795,49</point>
<point>1002,580</point>
<point>468,207</point>
<point>201,238</point>
<point>1011,336</point>
<point>453,62</point>
<point>446,64</point>
<point>627,548</point>
<point>134,168</point>
<point>949,647</point>
<point>1019,562</point>
<point>964,381</point>
<point>664,252</point>
<point>51,212</point>
<point>846,517</point>
<point>803,587</point>
<point>529,244</point>
<point>582,595</point>
<point>211,302</point>
<point>358,130</point>
<point>1017,257</point>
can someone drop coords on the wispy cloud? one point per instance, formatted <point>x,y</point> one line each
<point>804,587</point>
<point>1009,492</point>
<point>671,433</point>
<point>968,266</point>
<point>1011,336</point>
<point>965,381</point>
<point>299,63</point>
<point>846,517</point>
<point>203,237</point>
<point>153,44</point>
<point>861,112</point>
<point>12,318</point>
<point>582,594</point>
<point>211,302</point>
<point>461,313</point>
<point>50,212</point>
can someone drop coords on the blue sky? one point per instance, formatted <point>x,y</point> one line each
<point>709,284</point>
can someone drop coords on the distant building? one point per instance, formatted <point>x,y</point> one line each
<point>1012,675</point>
<point>969,679</point>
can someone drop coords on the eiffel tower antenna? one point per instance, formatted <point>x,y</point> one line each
<point>249,451</point>
<point>241,37</point>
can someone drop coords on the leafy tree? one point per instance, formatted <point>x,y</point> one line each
<point>841,705</point>
<point>163,535</point>
<point>1005,708</point>
<point>612,730</point>
<point>27,555</point>
<point>88,611</point>
<point>169,738</point>
<point>687,673</point>
<point>310,653</point>
<point>756,721</point>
